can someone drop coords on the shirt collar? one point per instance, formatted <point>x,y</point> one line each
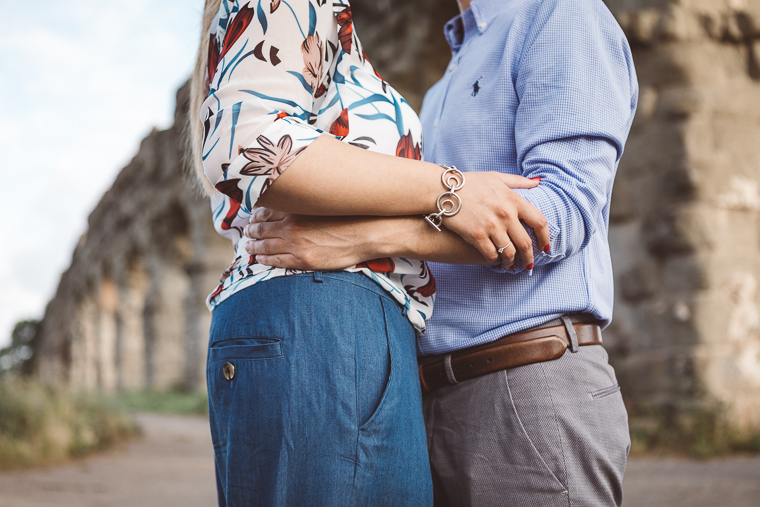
<point>476,19</point>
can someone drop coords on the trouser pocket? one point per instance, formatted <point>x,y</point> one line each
<point>374,370</point>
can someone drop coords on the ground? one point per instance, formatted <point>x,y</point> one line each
<point>173,466</point>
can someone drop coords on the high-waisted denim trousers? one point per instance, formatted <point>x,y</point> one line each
<point>314,397</point>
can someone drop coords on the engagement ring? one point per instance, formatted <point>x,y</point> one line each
<point>501,250</point>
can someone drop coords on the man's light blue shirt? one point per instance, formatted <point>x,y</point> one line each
<point>539,88</point>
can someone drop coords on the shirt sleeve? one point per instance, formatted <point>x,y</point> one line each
<point>269,62</point>
<point>578,93</point>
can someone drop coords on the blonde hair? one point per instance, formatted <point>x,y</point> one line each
<point>198,94</point>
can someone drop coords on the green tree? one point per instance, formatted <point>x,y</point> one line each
<point>18,357</point>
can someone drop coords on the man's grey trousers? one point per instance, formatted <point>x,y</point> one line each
<point>542,435</point>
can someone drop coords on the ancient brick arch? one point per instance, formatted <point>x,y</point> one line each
<point>129,312</point>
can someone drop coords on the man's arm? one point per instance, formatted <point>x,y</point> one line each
<point>578,93</point>
<point>313,242</point>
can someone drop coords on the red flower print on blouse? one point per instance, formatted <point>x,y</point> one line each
<point>230,189</point>
<point>218,291</point>
<point>228,272</point>
<point>273,7</point>
<point>346,32</point>
<point>312,59</point>
<point>238,25</point>
<point>428,289</point>
<point>270,159</point>
<point>385,265</point>
<point>323,87</point>
<point>339,127</point>
<point>213,59</point>
<point>407,149</point>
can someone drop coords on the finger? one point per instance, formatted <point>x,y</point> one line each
<point>515,181</point>
<point>280,261</point>
<point>523,243</point>
<point>262,230</point>
<point>536,220</point>
<point>508,254</point>
<point>266,247</point>
<point>266,215</point>
<point>485,246</point>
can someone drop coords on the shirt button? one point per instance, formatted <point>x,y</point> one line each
<point>229,371</point>
<point>435,123</point>
<point>452,67</point>
<point>483,25</point>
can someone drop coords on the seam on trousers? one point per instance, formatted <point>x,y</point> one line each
<point>358,416</point>
<point>431,445</point>
<point>380,291</point>
<point>559,434</point>
<point>527,436</point>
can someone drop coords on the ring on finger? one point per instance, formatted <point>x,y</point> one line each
<point>501,250</point>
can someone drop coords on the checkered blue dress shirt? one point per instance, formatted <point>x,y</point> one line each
<point>539,88</point>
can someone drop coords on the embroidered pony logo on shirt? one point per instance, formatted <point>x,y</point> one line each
<point>476,87</point>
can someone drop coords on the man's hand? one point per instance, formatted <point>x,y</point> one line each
<point>309,242</point>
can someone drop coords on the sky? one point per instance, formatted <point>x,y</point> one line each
<point>81,83</point>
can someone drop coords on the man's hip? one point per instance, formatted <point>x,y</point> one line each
<point>545,342</point>
<point>547,433</point>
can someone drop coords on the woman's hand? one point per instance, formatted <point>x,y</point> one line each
<point>491,215</point>
<point>308,242</point>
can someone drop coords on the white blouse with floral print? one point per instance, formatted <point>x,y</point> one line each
<point>280,74</point>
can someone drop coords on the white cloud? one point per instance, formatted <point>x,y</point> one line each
<point>80,86</point>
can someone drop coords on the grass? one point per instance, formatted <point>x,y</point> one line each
<point>173,401</point>
<point>41,425</point>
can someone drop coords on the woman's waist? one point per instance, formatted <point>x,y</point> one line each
<point>383,266</point>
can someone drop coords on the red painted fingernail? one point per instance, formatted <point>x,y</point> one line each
<point>529,266</point>
<point>537,178</point>
<point>547,248</point>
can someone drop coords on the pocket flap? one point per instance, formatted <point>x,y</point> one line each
<point>242,349</point>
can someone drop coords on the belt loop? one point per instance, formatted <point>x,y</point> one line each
<point>449,370</point>
<point>571,333</point>
<point>318,277</point>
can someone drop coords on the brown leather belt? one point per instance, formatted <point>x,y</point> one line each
<point>535,345</point>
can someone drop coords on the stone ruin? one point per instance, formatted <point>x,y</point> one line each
<point>684,225</point>
<point>684,230</point>
<point>129,313</point>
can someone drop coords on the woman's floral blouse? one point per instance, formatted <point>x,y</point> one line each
<point>280,74</point>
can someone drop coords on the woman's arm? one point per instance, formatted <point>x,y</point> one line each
<point>333,178</point>
<point>259,147</point>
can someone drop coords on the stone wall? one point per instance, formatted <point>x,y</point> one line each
<point>685,231</point>
<point>129,313</point>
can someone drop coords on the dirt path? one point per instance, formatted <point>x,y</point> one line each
<point>172,466</point>
<point>733,482</point>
